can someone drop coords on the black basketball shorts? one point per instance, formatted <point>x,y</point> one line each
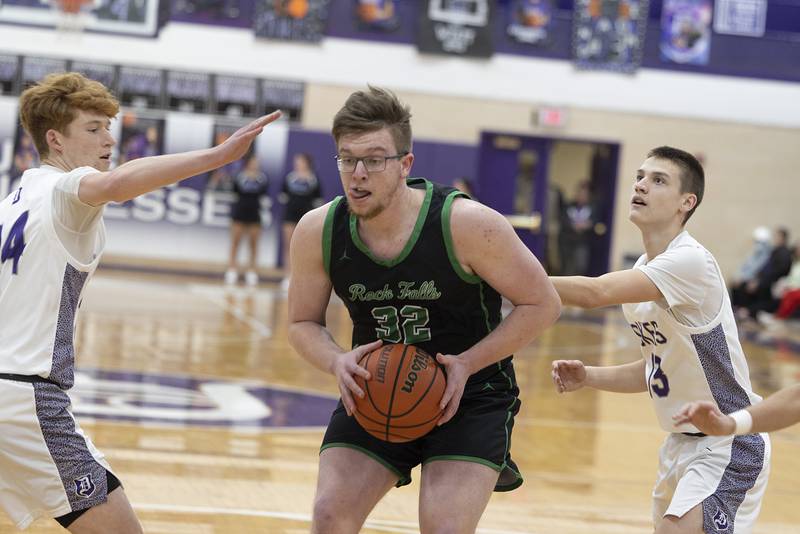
<point>479,432</point>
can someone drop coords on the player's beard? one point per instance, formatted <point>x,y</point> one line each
<point>378,208</point>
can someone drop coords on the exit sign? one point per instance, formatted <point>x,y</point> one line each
<point>551,117</point>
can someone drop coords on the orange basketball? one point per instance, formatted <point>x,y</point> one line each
<point>401,400</point>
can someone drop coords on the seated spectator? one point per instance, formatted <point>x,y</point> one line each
<point>759,290</point>
<point>788,292</point>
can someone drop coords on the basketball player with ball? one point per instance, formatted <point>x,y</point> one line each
<point>424,267</point>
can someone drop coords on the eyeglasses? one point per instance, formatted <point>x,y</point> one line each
<point>371,163</point>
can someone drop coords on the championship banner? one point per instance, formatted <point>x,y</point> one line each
<point>740,17</point>
<point>380,15</point>
<point>292,20</point>
<point>188,91</point>
<point>457,27</point>
<point>124,17</point>
<point>235,96</point>
<point>530,21</point>
<point>686,31</point>
<point>105,74</point>
<point>609,34</point>
<point>9,74</point>
<point>141,87</point>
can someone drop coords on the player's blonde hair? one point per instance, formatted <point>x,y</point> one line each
<point>51,105</point>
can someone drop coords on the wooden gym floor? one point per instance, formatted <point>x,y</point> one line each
<point>213,423</point>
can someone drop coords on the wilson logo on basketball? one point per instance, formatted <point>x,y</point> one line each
<point>420,364</point>
<point>380,372</point>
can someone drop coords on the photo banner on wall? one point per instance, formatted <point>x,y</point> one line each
<point>380,15</point>
<point>122,17</point>
<point>609,34</point>
<point>291,20</point>
<point>188,91</point>
<point>457,27</point>
<point>530,21</point>
<point>686,31</point>
<point>740,17</point>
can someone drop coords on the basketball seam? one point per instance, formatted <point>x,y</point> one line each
<point>394,390</point>
<point>427,389</point>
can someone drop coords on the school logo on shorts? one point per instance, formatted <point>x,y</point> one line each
<point>720,520</point>
<point>84,486</point>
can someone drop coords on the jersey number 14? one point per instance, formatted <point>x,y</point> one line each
<point>13,244</point>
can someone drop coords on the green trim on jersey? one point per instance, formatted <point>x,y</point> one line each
<point>412,240</point>
<point>327,232</point>
<point>448,240</point>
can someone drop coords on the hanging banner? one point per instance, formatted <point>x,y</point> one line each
<point>232,13</point>
<point>530,21</point>
<point>105,74</point>
<point>291,20</point>
<point>740,17</point>
<point>609,34</point>
<point>188,91</point>
<point>235,96</point>
<point>34,69</point>
<point>377,15</point>
<point>458,27</point>
<point>9,74</point>
<point>686,31</point>
<point>141,87</point>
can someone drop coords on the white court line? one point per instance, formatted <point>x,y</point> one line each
<point>384,525</point>
<point>261,328</point>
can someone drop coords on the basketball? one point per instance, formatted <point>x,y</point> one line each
<point>401,400</point>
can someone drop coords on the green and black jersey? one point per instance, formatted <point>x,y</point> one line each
<point>422,297</point>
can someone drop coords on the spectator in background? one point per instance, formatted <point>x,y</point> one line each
<point>464,185</point>
<point>248,186</point>
<point>759,290</point>
<point>787,291</point>
<point>25,156</point>
<point>751,266</point>
<point>577,229</point>
<point>301,192</point>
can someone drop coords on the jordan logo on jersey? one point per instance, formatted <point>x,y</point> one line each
<point>720,520</point>
<point>84,486</point>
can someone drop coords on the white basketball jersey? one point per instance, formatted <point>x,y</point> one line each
<point>41,280</point>
<point>688,362</point>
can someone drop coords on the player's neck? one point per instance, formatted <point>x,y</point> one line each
<point>657,239</point>
<point>402,212</point>
<point>57,161</point>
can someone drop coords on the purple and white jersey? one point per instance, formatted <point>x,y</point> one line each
<point>689,338</point>
<point>50,244</point>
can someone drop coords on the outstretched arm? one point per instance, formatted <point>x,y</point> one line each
<point>776,412</point>
<point>143,175</point>
<point>619,287</point>
<point>571,375</point>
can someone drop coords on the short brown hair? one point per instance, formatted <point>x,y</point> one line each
<point>692,177</point>
<point>51,105</point>
<point>372,110</point>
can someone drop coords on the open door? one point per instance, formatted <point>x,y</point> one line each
<point>512,179</point>
<point>557,193</point>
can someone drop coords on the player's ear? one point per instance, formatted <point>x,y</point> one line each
<point>689,202</point>
<point>405,164</point>
<point>54,140</point>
